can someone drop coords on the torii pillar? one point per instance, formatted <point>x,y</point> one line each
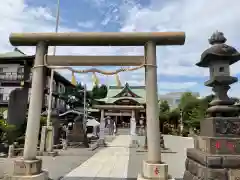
<point>153,168</point>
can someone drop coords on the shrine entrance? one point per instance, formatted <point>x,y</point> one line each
<point>147,39</point>
<point>121,96</point>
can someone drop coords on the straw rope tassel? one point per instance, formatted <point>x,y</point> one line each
<point>73,81</point>
<point>119,84</point>
<point>95,79</point>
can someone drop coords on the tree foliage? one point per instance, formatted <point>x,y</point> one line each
<point>5,132</point>
<point>167,116</point>
<point>74,96</point>
<point>99,92</point>
<point>193,109</point>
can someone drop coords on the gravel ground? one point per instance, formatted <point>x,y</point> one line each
<point>175,159</point>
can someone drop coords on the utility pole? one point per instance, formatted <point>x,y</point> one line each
<point>84,107</point>
<point>181,121</point>
<point>52,70</point>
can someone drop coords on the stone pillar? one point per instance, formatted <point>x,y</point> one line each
<point>152,167</point>
<point>133,124</point>
<point>101,141</point>
<point>133,129</point>
<point>29,166</point>
<point>152,110</point>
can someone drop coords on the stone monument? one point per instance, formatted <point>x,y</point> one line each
<point>216,152</point>
<point>17,107</point>
<point>78,133</point>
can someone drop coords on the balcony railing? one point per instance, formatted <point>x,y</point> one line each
<point>12,76</point>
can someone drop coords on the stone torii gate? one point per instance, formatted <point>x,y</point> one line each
<point>29,166</point>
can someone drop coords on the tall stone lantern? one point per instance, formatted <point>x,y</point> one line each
<point>216,152</point>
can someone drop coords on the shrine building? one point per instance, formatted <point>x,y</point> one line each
<point>122,103</point>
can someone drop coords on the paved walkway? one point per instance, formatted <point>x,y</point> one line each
<point>109,163</point>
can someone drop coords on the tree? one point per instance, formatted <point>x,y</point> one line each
<point>174,117</point>
<point>6,130</point>
<point>99,92</point>
<point>164,110</point>
<point>74,96</point>
<point>192,110</point>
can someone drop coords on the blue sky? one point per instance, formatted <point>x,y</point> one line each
<point>176,64</point>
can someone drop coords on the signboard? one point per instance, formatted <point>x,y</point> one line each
<point>118,114</point>
<point>226,146</point>
<point>156,171</point>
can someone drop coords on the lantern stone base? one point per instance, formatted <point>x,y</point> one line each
<point>203,166</point>
<point>154,171</point>
<point>28,169</point>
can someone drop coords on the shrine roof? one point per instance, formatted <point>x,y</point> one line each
<point>135,93</point>
<point>14,57</point>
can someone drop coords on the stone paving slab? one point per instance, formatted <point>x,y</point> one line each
<point>109,163</point>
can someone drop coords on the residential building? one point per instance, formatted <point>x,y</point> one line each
<point>174,98</point>
<point>12,66</point>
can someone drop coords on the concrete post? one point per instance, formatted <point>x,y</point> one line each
<point>152,110</point>
<point>133,124</point>
<point>152,168</point>
<point>35,106</point>
<point>101,141</point>
<point>133,129</point>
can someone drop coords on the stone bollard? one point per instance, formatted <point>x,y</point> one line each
<point>162,144</point>
<point>11,151</point>
<point>64,144</point>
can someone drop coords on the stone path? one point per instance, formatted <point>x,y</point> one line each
<point>109,163</point>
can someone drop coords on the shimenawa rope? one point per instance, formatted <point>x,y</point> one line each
<point>94,70</point>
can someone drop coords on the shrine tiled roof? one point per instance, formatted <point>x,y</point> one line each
<point>16,54</point>
<point>135,93</point>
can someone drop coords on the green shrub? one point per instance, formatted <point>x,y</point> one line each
<point>6,132</point>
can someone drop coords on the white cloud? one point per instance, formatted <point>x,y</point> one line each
<point>199,19</point>
<point>176,85</point>
<point>87,25</point>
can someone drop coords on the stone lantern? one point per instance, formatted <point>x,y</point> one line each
<point>216,152</point>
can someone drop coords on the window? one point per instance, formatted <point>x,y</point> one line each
<point>61,88</point>
<point>1,70</point>
<point>221,69</point>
